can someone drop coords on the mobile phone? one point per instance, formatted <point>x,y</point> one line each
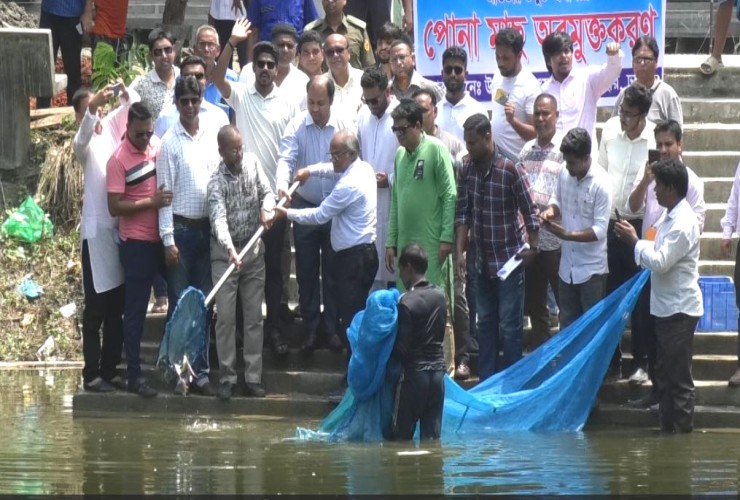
<point>619,216</point>
<point>117,89</point>
<point>653,155</point>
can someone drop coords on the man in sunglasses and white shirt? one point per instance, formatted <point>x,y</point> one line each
<point>457,105</point>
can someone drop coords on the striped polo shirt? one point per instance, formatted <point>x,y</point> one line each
<point>132,172</point>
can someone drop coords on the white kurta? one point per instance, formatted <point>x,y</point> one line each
<point>97,226</point>
<point>378,145</point>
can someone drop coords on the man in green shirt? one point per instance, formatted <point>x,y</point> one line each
<point>423,193</point>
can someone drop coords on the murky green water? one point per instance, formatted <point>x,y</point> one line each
<point>44,450</point>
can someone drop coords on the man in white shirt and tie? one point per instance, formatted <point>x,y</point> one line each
<point>675,297</point>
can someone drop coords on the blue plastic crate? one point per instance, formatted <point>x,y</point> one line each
<point>720,308</point>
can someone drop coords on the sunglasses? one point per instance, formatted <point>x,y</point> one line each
<point>189,101</point>
<point>263,64</point>
<point>141,135</point>
<point>400,130</point>
<point>197,76</point>
<point>163,50</point>
<point>336,51</point>
<point>457,69</point>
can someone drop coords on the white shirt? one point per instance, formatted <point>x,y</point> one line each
<point>209,115</point>
<point>261,122</point>
<point>221,10</point>
<point>378,145</point>
<point>624,159</point>
<point>184,166</point>
<point>731,221</point>
<point>293,85</point>
<point>451,117</point>
<point>521,89</point>
<point>579,92</point>
<point>97,226</point>
<point>653,210</point>
<point>351,206</point>
<point>347,99</point>
<point>673,260</point>
<point>583,204</point>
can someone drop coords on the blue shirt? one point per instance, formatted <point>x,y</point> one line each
<point>304,143</point>
<point>64,8</point>
<point>213,95</point>
<point>265,14</point>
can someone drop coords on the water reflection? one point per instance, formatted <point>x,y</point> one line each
<point>47,451</point>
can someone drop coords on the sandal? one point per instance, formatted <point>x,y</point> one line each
<point>160,305</point>
<point>710,66</point>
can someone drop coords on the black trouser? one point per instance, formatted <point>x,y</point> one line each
<point>642,343</point>
<point>355,269</point>
<point>104,309</point>
<point>64,34</point>
<point>737,296</point>
<point>223,28</point>
<point>675,337</point>
<point>374,12</point>
<point>273,240</point>
<point>622,267</point>
<point>420,398</point>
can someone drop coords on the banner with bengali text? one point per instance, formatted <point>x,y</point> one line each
<point>473,24</point>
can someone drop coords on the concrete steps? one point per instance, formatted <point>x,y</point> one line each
<point>705,417</point>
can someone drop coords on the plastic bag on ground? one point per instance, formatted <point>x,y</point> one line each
<point>29,223</point>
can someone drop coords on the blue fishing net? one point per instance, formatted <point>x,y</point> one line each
<point>186,334</point>
<point>365,412</point>
<point>551,389</point>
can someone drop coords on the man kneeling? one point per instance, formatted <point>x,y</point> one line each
<point>422,314</point>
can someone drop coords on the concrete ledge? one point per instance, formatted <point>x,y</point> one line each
<point>707,417</point>
<point>90,404</point>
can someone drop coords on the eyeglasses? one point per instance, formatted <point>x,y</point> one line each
<point>644,60</point>
<point>146,134</point>
<point>624,114</point>
<point>189,101</point>
<point>262,64</point>
<point>457,69</point>
<point>371,102</point>
<point>399,58</point>
<point>197,76</point>
<point>336,156</point>
<point>336,51</point>
<point>163,50</point>
<point>207,45</point>
<point>401,129</point>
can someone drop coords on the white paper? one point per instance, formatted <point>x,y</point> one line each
<point>511,264</point>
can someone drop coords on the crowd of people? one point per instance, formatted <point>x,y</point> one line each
<point>403,182</point>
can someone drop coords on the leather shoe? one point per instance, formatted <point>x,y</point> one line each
<point>309,345</point>
<point>644,402</point>
<point>142,389</point>
<point>98,385</point>
<point>735,379</point>
<point>462,372</point>
<point>254,390</point>
<point>639,377</point>
<point>225,390</point>
<point>334,343</point>
<point>203,390</point>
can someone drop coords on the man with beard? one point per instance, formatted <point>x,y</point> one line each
<point>515,89</point>
<point>577,91</point>
<point>387,34</point>
<point>262,113</point>
<point>457,105</point>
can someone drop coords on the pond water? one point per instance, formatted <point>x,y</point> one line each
<point>46,451</point>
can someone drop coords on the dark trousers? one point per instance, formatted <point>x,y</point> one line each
<point>420,398</point>
<point>223,28</point>
<point>642,343</point>
<point>355,270</point>
<point>273,240</point>
<point>141,261</point>
<point>64,35</point>
<point>101,309</point>
<point>501,310</point>
<point>737,295</point>
<point>543,270</point>
<point>374,12</point>
<point>313,253</point>
<point>471,290</point>
<point>460,319</point>
<point>622,267</point>
<point>576,299</point>
<point>675,338</point>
